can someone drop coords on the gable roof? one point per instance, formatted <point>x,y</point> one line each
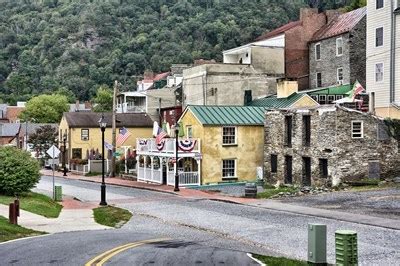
<point>342,24</point>
<point>280,30</point>
<point>274,102</point>
<point>9,129</point>
<point>228,115</point>
<point>91,119</point>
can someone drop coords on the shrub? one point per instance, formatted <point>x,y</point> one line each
<point>19,172</point>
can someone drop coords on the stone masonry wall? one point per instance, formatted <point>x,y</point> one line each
<point>357,50</point>
<point>331,139</point>
<point>330,62</point>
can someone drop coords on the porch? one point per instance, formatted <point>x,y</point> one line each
<point>157,164</point>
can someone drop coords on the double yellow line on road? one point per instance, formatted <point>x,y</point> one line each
<point>105,256</point>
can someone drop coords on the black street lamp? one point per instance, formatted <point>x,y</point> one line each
<point>65,153</point>
<point>103,125</point>
<point>176,157</point>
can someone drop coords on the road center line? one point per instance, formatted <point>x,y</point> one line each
<point>105,256</point>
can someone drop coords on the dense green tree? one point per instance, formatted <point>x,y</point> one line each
<point>103,100</point>
<point>19,172</point>
<point>43,138</point>
<point>46,108</point>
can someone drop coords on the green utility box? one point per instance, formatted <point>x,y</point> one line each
<point>58,193</point>
<point>346,247</point>
<point>317,244</point>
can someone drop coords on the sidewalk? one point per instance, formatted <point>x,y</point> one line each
<point>75,216</point>
<point>258,203</point>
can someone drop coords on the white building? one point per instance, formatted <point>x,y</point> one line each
<point>383,57</point>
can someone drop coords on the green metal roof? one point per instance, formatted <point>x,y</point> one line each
<point>229,115</point>
<point>337,90</point>
<point>274,102</point>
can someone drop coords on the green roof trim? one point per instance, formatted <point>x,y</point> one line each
<point>229,115</point>
<point>337,90</point>
<point>274,102</point>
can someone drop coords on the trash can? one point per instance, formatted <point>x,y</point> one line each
<point>250,190</point>
<point>58,193</point>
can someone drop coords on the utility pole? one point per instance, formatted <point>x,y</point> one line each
<point>114,136</point>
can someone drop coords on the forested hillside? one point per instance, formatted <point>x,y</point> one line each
<point>78,45</point>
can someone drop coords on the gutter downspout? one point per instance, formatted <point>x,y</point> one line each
<point>392,51</point>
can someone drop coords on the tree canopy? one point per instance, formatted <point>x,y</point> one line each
<point>103,100</point>
<point>45,108</point>
<point>81,44</point>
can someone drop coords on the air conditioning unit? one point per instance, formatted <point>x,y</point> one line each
<point>340,82</point>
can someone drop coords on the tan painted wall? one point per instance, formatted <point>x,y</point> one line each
<point>269,60</point>
<point>388,112</point>
<point>248,152</point>
<point>286,88</point>
<point>305,101</point>
<point>94,142</point>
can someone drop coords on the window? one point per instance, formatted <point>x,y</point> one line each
<point>306,171</point>
<point>339,75</point>
<point>322,99</point>
<point>339,46</point>
<point>274,163</point>
<point>306,130</point>
<point>189,131</point>
<point>318,51</point>
<point>228,168</point>
<point>229,135</point>
<point>315,97</point>
<point>323,168</point>
<point>379,4</point>
<point>84,134</point>
<point>288,131</point>
<point>319,80</point>
<point>357,129</point>
<point>378,72</point>
<point>288,169</point>
<point>379,37</point>
<point>338,97</point>
<point>331,98</point>
<point>76,153</point>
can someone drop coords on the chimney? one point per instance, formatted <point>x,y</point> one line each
<point>77,106</point>
<point>331,15</point>
<point>306,12</point>
<point>286,87</point>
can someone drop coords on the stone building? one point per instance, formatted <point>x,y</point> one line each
<point>337,51</point>
<point>327,145</point>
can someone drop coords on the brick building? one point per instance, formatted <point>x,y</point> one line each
<point>337,51</point>
<point>296,36</point>
<point>327,145</point>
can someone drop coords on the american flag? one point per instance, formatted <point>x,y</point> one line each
<point>123,136</point>
<point>161,134</point>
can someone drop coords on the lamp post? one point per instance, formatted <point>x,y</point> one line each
<point>103,125</point>
<point>176,157</point>
<point>65,153</point>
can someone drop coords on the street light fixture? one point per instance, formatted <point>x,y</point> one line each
<point>176,157</point>
<point>65,153</point>
<point>103,125</point>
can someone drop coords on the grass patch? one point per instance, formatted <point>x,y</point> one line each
<point>93,174</point>
<point>111,216</point>
<point>11,231</point>
<point>35,203</point>
<point>279,261</point>
<point>269,192</point>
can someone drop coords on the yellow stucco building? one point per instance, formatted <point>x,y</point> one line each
<point>231,138</point>
<point>83,131</point>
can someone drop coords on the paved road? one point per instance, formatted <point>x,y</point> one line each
<point>228,226</point>
<point>379,203</point>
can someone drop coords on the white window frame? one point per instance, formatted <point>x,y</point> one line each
<point>316,79</point>
<point>315,48</point>
<point>382,36</point>
<point>319,99</point>
<point>337,75</point>
<point>189,129</point>
<point>383,72</point>
<point>337,47</point>
<point>354,135</point>
<point>331,98</point>
<point>338,97</point>
<point>82,135</point>
<point>234,168</point>
<point>376,4</point>
<point>229,144</point>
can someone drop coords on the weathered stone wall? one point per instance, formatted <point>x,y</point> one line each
<point>331,139</point>
<point>357,46</point>
<point>330,62</point>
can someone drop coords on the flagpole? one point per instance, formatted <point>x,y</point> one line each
<point>114,130</point>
